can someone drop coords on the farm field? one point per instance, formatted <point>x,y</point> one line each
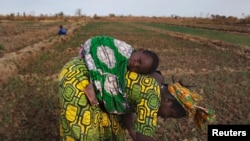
<point>213,57</point>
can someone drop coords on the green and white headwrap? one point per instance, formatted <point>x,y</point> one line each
<point>107,59</point>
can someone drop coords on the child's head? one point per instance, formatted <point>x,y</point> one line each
<point>143,61</point>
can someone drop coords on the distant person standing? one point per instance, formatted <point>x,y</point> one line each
<point>62,30</point>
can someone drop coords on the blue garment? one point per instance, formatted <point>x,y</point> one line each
<point>62,31</point>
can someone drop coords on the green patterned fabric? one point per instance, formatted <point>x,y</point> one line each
<point>81,121</point>
<point>189,100</point>
<point>107,59</point>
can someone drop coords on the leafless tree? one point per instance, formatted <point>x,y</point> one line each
<point>78,12</point>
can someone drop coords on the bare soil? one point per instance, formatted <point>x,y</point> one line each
<point>225,80</point>
<point>23,44</point>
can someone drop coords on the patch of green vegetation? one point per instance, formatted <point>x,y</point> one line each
<point>2,47</point>
<point>211,34</point>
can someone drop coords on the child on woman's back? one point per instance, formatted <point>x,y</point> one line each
<point>140,61</point>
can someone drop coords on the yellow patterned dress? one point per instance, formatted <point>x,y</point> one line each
<point>80,121</point>
<point>143,93</point>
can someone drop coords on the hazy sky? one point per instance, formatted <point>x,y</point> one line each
<point>187,8</point>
